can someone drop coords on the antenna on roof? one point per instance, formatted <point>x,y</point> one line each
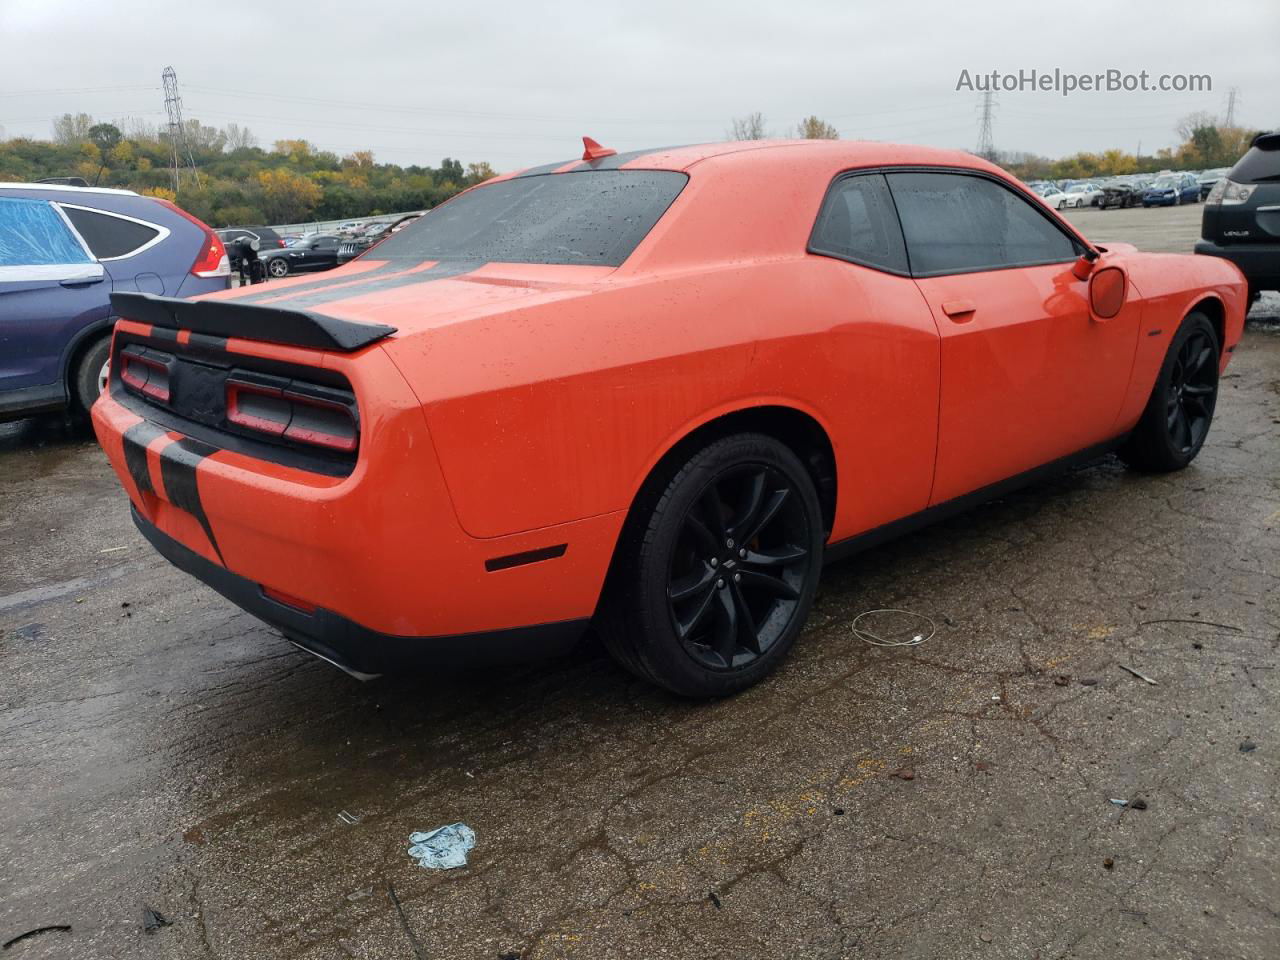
<point>593,151</point>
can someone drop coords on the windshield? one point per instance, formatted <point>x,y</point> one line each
<point>595,218</point>
<point>1165,182</point>
<point>1078,188</point>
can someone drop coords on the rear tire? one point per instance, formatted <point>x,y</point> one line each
<point>716,569</point>
<point>1178,416</point>
<point>86,384</point>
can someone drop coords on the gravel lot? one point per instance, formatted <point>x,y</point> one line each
<point>159,749</point>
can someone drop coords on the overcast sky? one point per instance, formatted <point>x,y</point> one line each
<point>517,83</point>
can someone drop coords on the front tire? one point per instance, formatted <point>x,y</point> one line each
<point>278,267</point>
<point>89,380</point>
<point>1178,415</point>
<point>716,569</point>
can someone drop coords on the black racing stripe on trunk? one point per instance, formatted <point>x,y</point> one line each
<point>136,440</point>
<point>164,333</point>
<point>269,294</point>
<point>441,271</point>
<point>544,168</point>
<point>178,462</point>
<point>209,342</point>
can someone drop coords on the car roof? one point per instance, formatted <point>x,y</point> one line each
<point>72,191</point>
<point>852,153</point>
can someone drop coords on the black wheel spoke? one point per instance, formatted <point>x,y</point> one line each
<point>1182,430</point>
<point>775,557</point>
<point>741,529</point>
<point>708,542</point>
<point>726,636</point>
<point>690,586</point>
<point>1197,389</point>
<point>713,512</point>
<point>774,585</point>
<point>770,511</point>
<point>747,630</point>
<point>685,627</point>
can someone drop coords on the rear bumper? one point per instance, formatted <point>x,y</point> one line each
<point>358,649</point>
<point>1259,262</point>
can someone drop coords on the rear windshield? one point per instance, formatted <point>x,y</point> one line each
<point>594,218</point>
<point>1257,164</point>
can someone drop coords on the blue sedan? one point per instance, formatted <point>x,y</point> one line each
<point>1172,189</point>
<point>63,250</point>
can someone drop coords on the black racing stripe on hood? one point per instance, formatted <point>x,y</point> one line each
<point>262,295</point>
<point>441,271</point>
<point>178,463</point>
<point>136,440</point>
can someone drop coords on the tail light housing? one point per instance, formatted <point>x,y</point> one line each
<point>1228,193</point>
<point>292,411</point>
<point>212,260</point>
<point>146,372</point>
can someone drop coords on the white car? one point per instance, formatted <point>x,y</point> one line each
<point>1051,195</point>
<point>1083,195</point>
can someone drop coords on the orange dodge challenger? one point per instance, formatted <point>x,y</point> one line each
<point>654,390</point>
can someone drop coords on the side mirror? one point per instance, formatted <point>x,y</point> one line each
<point>1084,266</point>
<point>1107,291</point>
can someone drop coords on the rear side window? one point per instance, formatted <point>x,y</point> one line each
<point>858,223</point>
<point>109,236</point>
<point>955,223</point>
<point>1257,165</point>
<point>32,234</point>
<point>594,218</point>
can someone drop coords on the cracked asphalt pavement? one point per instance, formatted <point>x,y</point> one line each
<point>160,749</point>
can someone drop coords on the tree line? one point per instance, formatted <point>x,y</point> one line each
<point>237,182</point>
<point>1206,142</point>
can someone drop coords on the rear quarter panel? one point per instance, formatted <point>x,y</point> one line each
<point>1171,285</point>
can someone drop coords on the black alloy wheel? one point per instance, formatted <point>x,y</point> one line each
<point>739,567</point>
<point>716,568</point>
<point>1192,392</point>
<point>1176,421</point>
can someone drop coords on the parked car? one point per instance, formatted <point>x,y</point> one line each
<point>1123,193</point>
<point>352,247</point>
<point>1083,195</point>
<point>1051,195</point>
<point>1171,189</point>
<point>266,237</point>
<point>309,253</point>
<point>63,250</point>
<point>1241,220</point>
<point>1209,178</point>
<point>516,423</point>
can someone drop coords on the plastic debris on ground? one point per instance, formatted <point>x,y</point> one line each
<point>897,628</point>
<point>443,848</point>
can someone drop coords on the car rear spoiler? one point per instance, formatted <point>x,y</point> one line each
<point>227,318</point>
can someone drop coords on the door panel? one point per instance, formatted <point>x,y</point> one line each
<point>1028,375</point>
<point>38,318</point>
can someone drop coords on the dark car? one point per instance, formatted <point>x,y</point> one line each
<point>1241,219</point>
<point>1171,189</point>
<point>352,247</point>
<point>63,251</point>
<point>267,239</point>
<point>1123,193</point>
<point>1209,179</point>
<point>310,253</point>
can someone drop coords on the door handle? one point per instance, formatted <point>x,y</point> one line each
<point>960,311</point>
<point>81,281</point>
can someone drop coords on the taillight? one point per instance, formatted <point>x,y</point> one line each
<point>293,413</point>
<point>145,372</point>
<point>212,260</point>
